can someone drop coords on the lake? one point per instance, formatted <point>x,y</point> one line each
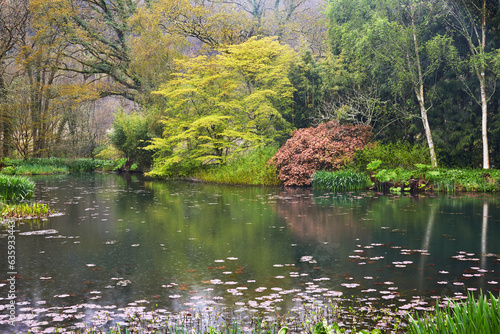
<point>127,245</point>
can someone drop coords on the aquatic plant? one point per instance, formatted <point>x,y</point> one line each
<point>344,180</point>
<point>15,188</point>
<point>25,210</point>
<point>471,316</point>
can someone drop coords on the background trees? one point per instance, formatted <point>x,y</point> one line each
<point>230,75</point>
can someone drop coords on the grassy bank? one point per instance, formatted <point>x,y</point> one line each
<point>46,166</point>
<point>249,169</point>
<point>421,178</point>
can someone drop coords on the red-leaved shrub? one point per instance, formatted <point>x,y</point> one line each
<point>329,146</point>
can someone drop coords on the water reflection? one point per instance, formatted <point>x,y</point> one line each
<point>126,244</point>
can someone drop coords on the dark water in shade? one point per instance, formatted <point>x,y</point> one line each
<point>125,244</point>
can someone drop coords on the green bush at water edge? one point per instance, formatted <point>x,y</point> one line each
<point>251,168</point>
<point>15,188</point>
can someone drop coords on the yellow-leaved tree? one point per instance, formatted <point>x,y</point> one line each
<point>223,104</point>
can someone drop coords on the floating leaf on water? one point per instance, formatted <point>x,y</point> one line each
<point>174,296</point>
<point>219,261</point>
<point>135,245</point>
<point>40,232</point>
<point>90,265</point>
<point>232,258</point>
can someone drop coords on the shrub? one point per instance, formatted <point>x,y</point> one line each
<point>16,188</point>
<point>392,155</point>
<point>329,146</point>
<point>130,135</point>
<point>344,180</point>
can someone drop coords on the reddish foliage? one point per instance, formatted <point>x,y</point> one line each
<point>328,146</point>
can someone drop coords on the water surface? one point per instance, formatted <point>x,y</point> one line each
<point>126,244</point>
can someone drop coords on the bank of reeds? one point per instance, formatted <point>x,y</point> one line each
<point>45,166</point>
<point>250,168</point>
<point>343,180</point>
<point>472,316</point>
<point>16,188</point>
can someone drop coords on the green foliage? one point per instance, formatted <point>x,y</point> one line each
<point>16,188</point>
<point>208,140</point>
<point>391,155</point>
<point>131,135</point>
<point>329,146</point>
<point>250,168</point>
<point>25,210</point>
<point>471,316</point>
<point>344,180</point>
<point>83,165</point>
<point>452,180</point>
<point>224,104</point>
<point>305,75</point>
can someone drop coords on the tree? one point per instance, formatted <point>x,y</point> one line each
<point>14,17</point>
<point>218,23</point>
<point>131,134</point>
<point>396,45</point>
<point>329,146</point>
<point>97,39</point>
<point>469,19</point>
<point>223,104</point>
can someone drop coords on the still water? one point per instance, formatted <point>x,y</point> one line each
<point>125,244</point>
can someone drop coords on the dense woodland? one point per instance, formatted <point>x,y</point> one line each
<point>185,83</point>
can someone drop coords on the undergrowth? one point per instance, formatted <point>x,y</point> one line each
<point>249,169</point>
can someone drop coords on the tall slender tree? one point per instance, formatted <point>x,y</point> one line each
<point>469,18</point>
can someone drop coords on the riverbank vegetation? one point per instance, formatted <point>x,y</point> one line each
<point>471,315</point>
<point>15,195</point>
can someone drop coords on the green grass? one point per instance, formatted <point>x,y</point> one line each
<point>249,169</point>
<point>45,166</point>
<point>15,188</point>
<point>472,316</point>
<point>344,180</point>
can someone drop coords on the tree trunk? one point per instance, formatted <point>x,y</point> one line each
<point>419,92</point>
<point>484,101</point>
